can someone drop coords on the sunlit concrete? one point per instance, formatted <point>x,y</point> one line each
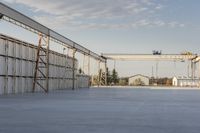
<point>102,110</point>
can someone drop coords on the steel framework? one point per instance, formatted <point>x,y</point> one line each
<point>148,57</point>
<point>45,35</point>
<point>18,18</point>
<point>193,58</point>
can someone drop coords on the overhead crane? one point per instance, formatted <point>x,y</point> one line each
<point>155,57</point>
<point>148,57</point>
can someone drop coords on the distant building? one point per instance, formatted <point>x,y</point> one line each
<point>184,82</point>
<point>138,80</point>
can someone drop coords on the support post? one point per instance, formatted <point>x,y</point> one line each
<point>106,82</point>
<point>199,69</point>
<point>99,74</point>
<point>83,64</point>
<point>195,64</point>
<point>192,69</point>
<point>199,72</point>
<point>74,69</point>
<point>156,69</point>
<point>6,68</point>
<point>47,64</point>
<point>188,69</point>
<point>88,65</point>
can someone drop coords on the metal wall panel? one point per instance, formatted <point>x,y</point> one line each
<point>2,85</point>
<point>83,81</point>
<point>17,63</point>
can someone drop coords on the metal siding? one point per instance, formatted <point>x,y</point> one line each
<point>17,67</point>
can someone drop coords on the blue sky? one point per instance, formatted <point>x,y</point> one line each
<point>122,26</point>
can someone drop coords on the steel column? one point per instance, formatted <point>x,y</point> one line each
<point>73,69</point>
<point>83,64</point>
<point>99,73</point>
<point>192,70</point>
<point>6,68</point>
<point>88,65</point>
<point>106,83</point>
<point>47,63</point>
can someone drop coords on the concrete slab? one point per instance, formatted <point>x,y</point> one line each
<point>102,110</point>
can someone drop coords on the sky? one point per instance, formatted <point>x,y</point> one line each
<point>121,26</point>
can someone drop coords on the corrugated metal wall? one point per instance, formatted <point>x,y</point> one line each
<point>17,63</point>
<point>83,81</point>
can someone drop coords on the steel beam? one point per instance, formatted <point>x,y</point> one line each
<point>17,16</point>
<point>27,21</point>
<point>149,57</point>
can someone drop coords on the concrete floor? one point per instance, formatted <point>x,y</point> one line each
<point>105,110</point>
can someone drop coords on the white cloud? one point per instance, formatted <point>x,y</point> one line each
<point>92,14</point>
<point>158,7</point>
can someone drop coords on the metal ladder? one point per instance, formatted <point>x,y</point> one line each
<point>42,64</point>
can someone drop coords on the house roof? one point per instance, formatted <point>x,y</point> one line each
<point>139,75</point>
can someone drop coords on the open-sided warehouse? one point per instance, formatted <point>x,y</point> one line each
<point>17,63</point>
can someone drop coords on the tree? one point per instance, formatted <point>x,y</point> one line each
<point>115,78</point>
<point>123,81</point>
<point>109,76</point>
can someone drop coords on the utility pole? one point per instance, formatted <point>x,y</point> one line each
<point>114,64</point>
<point>156,69</point>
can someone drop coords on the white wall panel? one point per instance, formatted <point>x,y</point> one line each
<point>10,66</point>
<point>10,48</point>
<point>2,85</point>
<point>21,64</point>
<point>10,85</point>
<point>2,65</point>
<point>2,47</point>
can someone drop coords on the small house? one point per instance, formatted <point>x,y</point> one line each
<point>138,80</point>
<point>185,82</point>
